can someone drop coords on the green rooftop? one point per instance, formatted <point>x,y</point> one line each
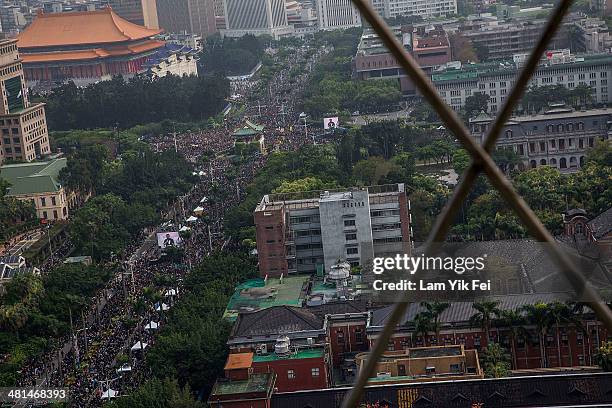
<point>33,178</point>
<point>249,129</point>
<point>473,71</point>
<point>255,383</point>
<point>255,294</point>
<point>302,354</point>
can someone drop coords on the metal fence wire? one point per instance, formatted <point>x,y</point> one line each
<point>481,162</point>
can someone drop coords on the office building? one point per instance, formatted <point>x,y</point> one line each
<point>337,14</point>
<point>23,124</point>
<point>187,16</point>
<point>457,81</point>
<point>257,17</point>
<point>559,137</point>
<point>311,232</point>
<point>141,12</point>
<point>430,47</point>
<point>425,9</point>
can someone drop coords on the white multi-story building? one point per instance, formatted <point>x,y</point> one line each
<point>337,14</point>
<point>257,17</point>
<point>423,8</point>
<point>457,82</point>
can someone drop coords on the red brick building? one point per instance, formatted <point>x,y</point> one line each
<point>430,48</point>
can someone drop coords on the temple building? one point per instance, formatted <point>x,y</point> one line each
<point>84,47</point>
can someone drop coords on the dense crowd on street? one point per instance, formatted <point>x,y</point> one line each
<point>105,350</point>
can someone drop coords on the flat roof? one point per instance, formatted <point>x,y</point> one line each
<point>255,294</point>
<point>469,71</point>
<point>239,360</point>
<point>255,383</point>
<point>301,354</point>
<point>426,352</point>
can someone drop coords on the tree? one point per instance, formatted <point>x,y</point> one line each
<point>462,48</point>
<point>433,311</point>
<point>495,361</point>
<point>538,315</point>
<point>514,321</point>
<point>485,310</point>
<point>506,159</point>
<point>604,357</point>
<point>304,184</point>
<point>371,171</point>
<point>476,103</point>
<point>461,161</point>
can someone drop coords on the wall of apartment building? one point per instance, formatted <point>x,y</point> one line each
<point>296,374</point>
<point>498,85</point>
<point>560,142</point>
<point>305,227</point>
<point>390,224</point>
<point>141,12</point>
<point>270,230</point>
<point>346,229</point>
<point>577,349</point>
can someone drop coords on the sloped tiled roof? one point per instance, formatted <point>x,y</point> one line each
<point>80,28</point>
<point>602,224</point>
<point>33,178</point>
<point>462,311</point>
<point>276,320</point>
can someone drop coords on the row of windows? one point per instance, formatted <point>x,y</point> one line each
<point>387,240</point>
<point>382,227</point>
<point>314,372</point>
<point>304,219</point>
<point>384,213</point>
<point>353,204</point>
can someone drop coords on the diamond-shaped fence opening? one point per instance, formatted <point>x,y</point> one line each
<point>481,162</point>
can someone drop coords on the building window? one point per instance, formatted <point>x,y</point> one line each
<point>340,337</point>
<point>351,237</point>
<point>290,374</point>
<point>349,223</point>
<point>53,202</point>
<point>314,371</point>
<point>43,202</point>
<point>508,134</point>
<point>45,215</point>
<point>352,251</point>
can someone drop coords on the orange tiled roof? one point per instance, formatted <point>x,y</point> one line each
<point>239,360</point>
<point>79,28</point>
<point>88,54</point>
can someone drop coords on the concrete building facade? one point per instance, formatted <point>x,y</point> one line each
<point>23,126</point>
<point>257,17</point>
<point>310,232</point>
<point>337,14</point>
<point>425,9</point>
<point>187,16</point>
<point>141,12</point>
<point>559,137</point>
<point>456,82</point>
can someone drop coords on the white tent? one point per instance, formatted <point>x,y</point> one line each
<point>152,325</point>
<point>198,210</point>
<point>202,173</point>
<point>140,345</point>
<point>162,307</point>
<point>192,219</point>
<point>171,292</point>
<point>109,394</point>
<point>184,228</point>
<point>204,199</point>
